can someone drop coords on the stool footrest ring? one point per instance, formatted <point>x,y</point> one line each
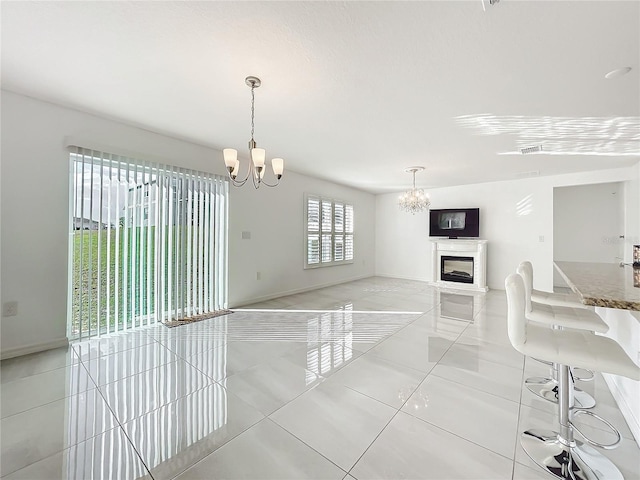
<point>587,378</point>
<point>614,430</point>
<point>547,388</point>
<point>577,461</point>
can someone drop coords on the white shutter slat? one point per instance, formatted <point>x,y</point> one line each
<point>313,215</point>
<point>348,247</point>
<point>348,218</point>
<point>327,217</point>
<point>338,254</point>
<point>338,217</point>
<point>313,249</point>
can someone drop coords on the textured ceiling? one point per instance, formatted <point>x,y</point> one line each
<point>352,91</point>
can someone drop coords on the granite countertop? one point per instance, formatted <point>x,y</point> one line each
<point>603,284</point>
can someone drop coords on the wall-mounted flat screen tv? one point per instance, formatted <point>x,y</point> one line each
<point>454,222</point>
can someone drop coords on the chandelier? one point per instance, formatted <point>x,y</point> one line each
<point>414,200</point>
<point>257,155</point>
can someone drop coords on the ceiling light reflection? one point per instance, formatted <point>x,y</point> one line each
<point>608,136</point>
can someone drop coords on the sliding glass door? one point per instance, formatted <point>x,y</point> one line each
<point>148,243</point>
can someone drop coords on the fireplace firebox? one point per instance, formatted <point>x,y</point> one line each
<point>456,269</point>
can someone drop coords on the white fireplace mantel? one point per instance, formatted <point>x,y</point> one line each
<point>460,248</point>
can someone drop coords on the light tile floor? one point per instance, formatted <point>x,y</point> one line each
<point>378,378</point>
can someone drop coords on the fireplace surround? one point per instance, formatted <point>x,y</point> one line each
<point>459,264</point>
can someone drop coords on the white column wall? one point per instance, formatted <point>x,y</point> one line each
<point>35,209</point>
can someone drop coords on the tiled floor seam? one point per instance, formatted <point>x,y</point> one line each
<point>469,386</point>
<point>398,410</point>
<point>306,444</point>
<point>461,437</point>
<point>118,425</point>
<point>193,465</point>
<point>95,387</point>
<point>488,360</point>
<point>124,432</point>
<point>57,452</point>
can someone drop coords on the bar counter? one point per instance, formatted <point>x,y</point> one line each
<point>602,284</point>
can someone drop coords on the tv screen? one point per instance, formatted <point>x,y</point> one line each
<point>454,222</point>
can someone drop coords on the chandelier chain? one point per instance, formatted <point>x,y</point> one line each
<point>253,98</point>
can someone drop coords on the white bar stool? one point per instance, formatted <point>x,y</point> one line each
<point>556,299</point>
<point>558,317</point>
<point>558,453</point>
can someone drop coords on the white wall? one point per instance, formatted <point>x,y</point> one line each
<point>274,219</point>
<point>516,217</point>
<point>35,209</point>
<point>588,221</point>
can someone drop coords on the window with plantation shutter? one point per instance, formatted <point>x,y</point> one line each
<point>328,232</point>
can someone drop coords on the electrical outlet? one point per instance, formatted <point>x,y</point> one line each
<point>9,309</point>
<point>541,238</point>
<point>258,276</point>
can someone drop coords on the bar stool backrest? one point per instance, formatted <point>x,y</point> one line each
<point>516,304</point>
<point>525,269</point>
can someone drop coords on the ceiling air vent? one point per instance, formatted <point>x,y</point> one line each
<point>528,150</point>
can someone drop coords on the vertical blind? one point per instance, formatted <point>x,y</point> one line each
<point>148,243</point>
<point>329,232</point>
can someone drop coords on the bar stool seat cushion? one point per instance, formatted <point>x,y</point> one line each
<point>558,299</point>
<point>567,317</point>
<point>578,348</point>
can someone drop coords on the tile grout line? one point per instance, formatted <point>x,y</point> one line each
<point>398,410</point>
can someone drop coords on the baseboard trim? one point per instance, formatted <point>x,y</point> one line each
<point>402,277</point>
<point>34,348</point>
<point>264,298</point>
<point>626,411</point>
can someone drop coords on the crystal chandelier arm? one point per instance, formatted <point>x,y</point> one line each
<point>414,200</point>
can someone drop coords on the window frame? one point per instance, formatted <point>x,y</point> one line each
<point>333,233</point>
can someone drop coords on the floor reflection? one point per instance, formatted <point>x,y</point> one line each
<point>325,351</point>
<point>201,399</point>
<point>458,306</point>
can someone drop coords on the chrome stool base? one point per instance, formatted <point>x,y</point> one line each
<point>547,388</point>
<point>576,462</point>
